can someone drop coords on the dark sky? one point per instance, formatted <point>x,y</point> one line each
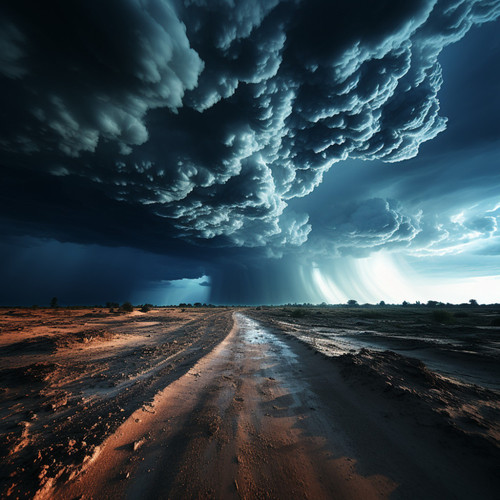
<point>249,152</point>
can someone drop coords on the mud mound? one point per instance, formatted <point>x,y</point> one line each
<point>34,373</point>
<point>42,345</point>
<point>468,412</point>
<point>48,344</point>
<point>84,337</point>
<point>388,368</point>
<point>21,314</point>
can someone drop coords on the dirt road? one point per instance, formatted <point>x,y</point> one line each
<point>265,417</point>
<point>70,377</point>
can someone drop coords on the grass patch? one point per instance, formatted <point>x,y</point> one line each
<point>298,313</point>
<point>495,321</point>
<point>442,316</point>
<point>370,315</point>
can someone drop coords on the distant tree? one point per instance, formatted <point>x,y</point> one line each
<point>432,303</point>
<point>53,302</point>
<point>405,303</point>
<point>473,302</point>
<point>352,302</point>
<point>146,308</point>
<point>197,304</point>
<point>127,307</point>
<point>381,303</point>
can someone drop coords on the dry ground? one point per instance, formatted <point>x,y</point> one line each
<point>69,378</point>
<point>209,403</point>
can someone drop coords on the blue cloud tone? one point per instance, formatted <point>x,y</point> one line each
<point>207,130</point>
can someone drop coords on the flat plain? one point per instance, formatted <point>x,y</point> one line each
<point>269,402</point>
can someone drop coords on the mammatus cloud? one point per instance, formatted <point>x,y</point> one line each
<point>212,115</point>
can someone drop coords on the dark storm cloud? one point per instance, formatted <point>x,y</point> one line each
<point>204,118</point>
<point>34,270</point>
<point>89,71</point>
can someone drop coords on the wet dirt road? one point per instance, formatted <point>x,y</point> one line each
<point>260,417</point>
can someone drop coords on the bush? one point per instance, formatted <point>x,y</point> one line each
<point>442,316</point>
<point>146,308</point>
<point>298,313</point>
<point>127,307</point>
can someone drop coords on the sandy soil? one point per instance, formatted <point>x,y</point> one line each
<point>69,378</point>
<point>260,414</point>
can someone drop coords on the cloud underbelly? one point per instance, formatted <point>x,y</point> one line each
<point>214,115</point>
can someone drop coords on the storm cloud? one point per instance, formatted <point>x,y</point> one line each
<point>85,72</point>
<point>368,226</point>
<point>169,125</point>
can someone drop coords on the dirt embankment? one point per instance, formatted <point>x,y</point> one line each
<point>463,417</point>
<point>69,378</point>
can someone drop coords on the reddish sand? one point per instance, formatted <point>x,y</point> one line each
<point>69,378</point>
<point>260,416</point>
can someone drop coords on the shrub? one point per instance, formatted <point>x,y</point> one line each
<point>146,308</point>
<point>127,307</point>
<point>298,313</point>
<point>441,316</point>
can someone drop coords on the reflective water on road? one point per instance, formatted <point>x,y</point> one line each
<point>255,333</point>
